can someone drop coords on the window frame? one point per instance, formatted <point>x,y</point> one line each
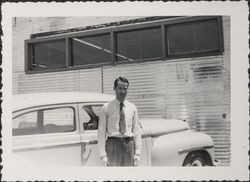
<point>112,31</point>
<point>37,109</point>
<point>91,105</point>
<point>31,52</point>
<point>143,59</point>
<point>81,117</point>
<point>199,52</point>
<point>88,65</point>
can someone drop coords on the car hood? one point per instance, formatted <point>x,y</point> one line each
<point>158,126</point>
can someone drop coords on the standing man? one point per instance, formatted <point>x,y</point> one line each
<point>119,137</point>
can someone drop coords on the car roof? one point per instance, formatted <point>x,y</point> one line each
<point>22,101</point>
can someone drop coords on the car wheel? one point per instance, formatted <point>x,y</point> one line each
<point>195,160</point>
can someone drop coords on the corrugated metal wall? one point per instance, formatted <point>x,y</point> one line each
<point>80,80</point>
<point>196,89</point>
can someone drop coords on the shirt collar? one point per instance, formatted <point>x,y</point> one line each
<point>117,102</point>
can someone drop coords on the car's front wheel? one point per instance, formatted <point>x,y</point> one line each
<point>195,159</point>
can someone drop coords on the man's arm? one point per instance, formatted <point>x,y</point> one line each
<point>102,132</point>
<point>137,135</point>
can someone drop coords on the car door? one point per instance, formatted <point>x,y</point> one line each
<point>47,135</point>
<point>89,119</point>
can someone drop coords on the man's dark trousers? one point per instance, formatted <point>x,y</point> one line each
<point>120,151</point>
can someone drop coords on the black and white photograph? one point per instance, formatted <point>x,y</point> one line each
<point>155,95</point>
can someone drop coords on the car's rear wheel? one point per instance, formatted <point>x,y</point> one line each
<point>195,159</point>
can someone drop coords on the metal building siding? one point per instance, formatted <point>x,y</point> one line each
<point>80,80</point>
<point>227,88</point>
<point>142,90</point>
<point>90,80</point>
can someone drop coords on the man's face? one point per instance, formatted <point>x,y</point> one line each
<point>121,90</point>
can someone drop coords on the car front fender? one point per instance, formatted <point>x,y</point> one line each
<point>172,149</point>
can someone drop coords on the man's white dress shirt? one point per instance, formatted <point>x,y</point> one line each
<point>109,124</point>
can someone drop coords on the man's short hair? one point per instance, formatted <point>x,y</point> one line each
<point>122,79</point>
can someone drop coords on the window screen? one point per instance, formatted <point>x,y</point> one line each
<point>48,55</point>
<point>139,44</point>
<point>91,50</point>
<point>192,37</point>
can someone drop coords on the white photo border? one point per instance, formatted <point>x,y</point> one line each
<point>238,12</point>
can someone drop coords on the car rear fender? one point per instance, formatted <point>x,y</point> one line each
<point>172,149</point>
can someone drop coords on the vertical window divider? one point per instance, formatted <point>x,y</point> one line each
<point>40,121</point>
<point>113,47</point>
<point>164,41</point>
<point>68,53</point>
<point>220,34</point>
<point>28,57</point>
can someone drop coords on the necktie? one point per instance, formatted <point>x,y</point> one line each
<point>122,121</point>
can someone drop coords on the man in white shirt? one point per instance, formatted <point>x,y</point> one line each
<point>119,137</point>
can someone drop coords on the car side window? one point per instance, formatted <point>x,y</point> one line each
<point>58,120</point>
<point>25,124</point>
<point>91,116</point>
<point>55,120</point>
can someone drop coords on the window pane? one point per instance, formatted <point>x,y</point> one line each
<point>58,120</point>
<point>192,37</point>
<point>91,117</point>
<point>91,50</point>
<point>207,36</point>
<point>25,124</point>
<point>139,44</point>
<point>49,55</point>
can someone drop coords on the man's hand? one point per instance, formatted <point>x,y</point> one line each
<point>137,159</point>
<point>105,160</point>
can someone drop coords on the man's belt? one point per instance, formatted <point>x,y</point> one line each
<point>125,139</point>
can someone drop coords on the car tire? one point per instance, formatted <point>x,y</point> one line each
<point>195,160</point>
